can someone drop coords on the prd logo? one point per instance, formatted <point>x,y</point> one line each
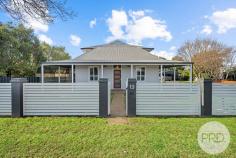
<point>213,137</point>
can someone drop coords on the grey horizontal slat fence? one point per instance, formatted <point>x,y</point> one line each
<point>168,99</point>
<point>5,99</point>
<point>223,99</point>
<point>61,98</point>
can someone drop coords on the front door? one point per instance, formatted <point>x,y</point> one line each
<point>117,76</point>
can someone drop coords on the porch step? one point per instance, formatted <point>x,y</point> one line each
<point>118,101</point>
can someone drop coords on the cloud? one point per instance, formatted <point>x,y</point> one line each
<point>165,54</point>
<point>116,22</point>
<point>75,40</point>
<point>173,48</point>
<point>136,26</point>
<point>206,30</point>
<point>224,20</point>
<point>93,23</point>
<point>136,14</point>
<point>36,25</point>
<point>46,39</point>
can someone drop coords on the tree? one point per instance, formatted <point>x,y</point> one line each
<point>208,64</point>
<point>54,53</point>
<point>230,63</point>
<point>45,10</point>
<point>178,58</point>
<point>21,52</point>
<point>210,57</point>
<point>18,47</point>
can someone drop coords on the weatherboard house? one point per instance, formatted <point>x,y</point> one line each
<point>116,61</point>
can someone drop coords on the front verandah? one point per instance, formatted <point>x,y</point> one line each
<point>117,74</point>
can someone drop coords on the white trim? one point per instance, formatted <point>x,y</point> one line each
<point>164,74</point>
<point>161,73</point>
<point>42,73</point>
<point>59,76</point>
<point>139,67</point>
<point>174,74</point>
<point>89,73</point>
<point>101,71</point>
<point>72,73</point>
<point>191,73</point>
<point>132,70</point>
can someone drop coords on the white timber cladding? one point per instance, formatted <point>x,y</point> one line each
<point>125,74</point>
<point>167,99</point>
<point>5,99</point>
<point>151,73</point>
<point>223,99</point>
<point>108,73</point>
<point>61,99</point>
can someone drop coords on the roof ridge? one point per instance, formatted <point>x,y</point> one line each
<point>114,43</point>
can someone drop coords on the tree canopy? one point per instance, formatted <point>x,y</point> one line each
<point>21,52</point>
<point>211,58</point>
<point>45,10</point>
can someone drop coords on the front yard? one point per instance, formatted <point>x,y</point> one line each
<point>94,137</point>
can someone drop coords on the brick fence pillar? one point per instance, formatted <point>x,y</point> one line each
<point>207,98</point>
<point>103,97</point>
<point>17,96</point>
<point>131,97</point>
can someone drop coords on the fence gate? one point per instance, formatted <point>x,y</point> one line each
<point>168,99</point>
<point>223,99</point>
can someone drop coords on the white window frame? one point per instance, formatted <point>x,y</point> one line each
<point>93,74</point>
<point>140,69</point>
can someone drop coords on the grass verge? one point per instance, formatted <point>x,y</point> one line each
<point>93,137</point>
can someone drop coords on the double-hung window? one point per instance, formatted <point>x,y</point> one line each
<point>93,73</point>
<point>140,74</point>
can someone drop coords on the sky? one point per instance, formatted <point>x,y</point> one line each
<point>162,24</point>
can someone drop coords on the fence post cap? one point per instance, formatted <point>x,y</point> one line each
<point>103,80</point>
<point>23,80</point>
<point>132,80</point>
<point>207,80</point>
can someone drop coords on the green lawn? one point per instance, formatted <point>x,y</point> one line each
<point>93,137</point>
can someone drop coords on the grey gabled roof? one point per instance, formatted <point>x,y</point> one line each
<point>115,42</point>
<point>117,52</point>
